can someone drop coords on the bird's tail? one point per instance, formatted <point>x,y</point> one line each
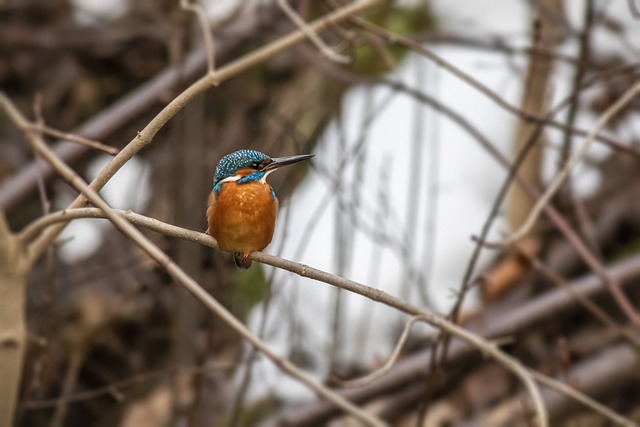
<point>242,261</point>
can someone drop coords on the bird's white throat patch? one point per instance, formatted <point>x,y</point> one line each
<point>231,178</point>
<point>234,178</point>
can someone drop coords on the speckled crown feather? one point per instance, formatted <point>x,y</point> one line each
<point>230,163</point>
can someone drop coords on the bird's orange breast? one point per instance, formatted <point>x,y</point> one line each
<point>243,216</point>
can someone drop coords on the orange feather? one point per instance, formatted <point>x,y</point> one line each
<point>242,218</point>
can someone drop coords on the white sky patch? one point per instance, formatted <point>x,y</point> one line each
<point>219,10</point>
<point>128,189</point>
<point>95,12</point>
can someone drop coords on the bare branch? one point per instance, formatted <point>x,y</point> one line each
<point>358,382</point>
<point>73,138</point>
<point>198,10</point>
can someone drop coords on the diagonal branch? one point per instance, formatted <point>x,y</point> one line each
<point>311,34</point>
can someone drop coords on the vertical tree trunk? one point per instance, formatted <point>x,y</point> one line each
<point>534,99</point>
<point>13,280</point>
<point>549,15</point>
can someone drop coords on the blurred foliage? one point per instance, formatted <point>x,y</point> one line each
<point>248,289</point>
<point>401,20</point>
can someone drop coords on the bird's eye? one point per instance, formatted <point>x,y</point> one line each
<point>255,165</point>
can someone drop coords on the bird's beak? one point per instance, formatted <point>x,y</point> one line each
<point>283,161</point>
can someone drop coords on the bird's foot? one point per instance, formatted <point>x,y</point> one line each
<point>242,260</point>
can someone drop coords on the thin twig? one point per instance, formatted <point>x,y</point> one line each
<point>574,394</point>
<point>583,300</point>
<point>198,10</point>
<point>312,35</point>
<point>72,137</point>
<point>117,389</point>
<point>358,382</point>
<point>42,188</point>
<point>78,353</point>
<point>633,8</point>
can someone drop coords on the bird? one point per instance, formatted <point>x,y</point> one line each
<point>242,208</point>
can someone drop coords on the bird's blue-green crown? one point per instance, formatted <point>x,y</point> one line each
<point>230,163</point>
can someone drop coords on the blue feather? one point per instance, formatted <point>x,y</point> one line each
<point>241,159</point>
<point>254,176</point>
<point>230,163</point>
<point>217,188</point>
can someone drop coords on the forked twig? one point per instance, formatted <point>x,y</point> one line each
<point>198,10</point>
<point>312,35</point>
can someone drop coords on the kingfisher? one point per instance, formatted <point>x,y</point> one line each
<point>242,209</point>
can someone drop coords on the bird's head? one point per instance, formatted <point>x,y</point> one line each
<point>249,165</point>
